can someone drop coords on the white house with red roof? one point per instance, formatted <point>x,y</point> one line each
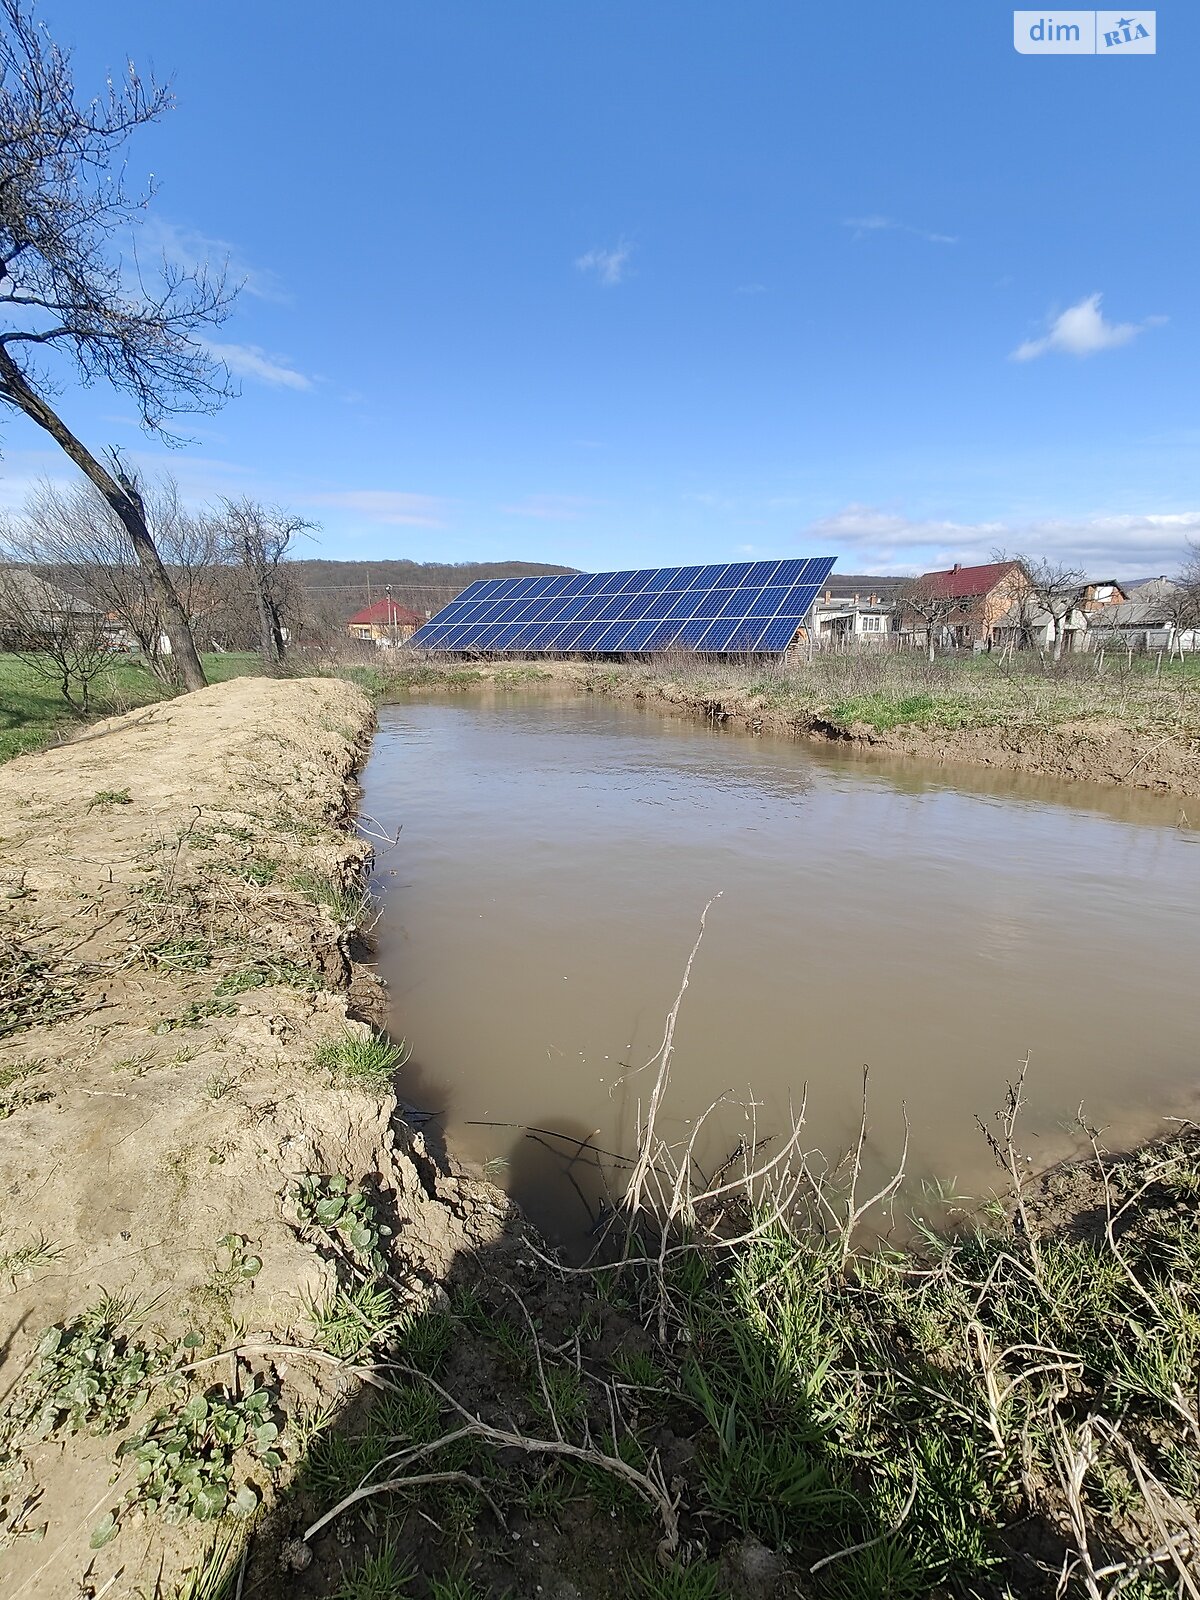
<point>386,622</point>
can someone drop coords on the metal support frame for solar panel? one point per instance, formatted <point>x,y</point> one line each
<point>730,608</point>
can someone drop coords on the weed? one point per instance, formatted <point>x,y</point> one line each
<point>385,1575</point>
<point>260,870</point>
<point>369,1063</point>
<point>178,955</point>
<point>15,1087</point>
<point>348,904</point>
<point>454,1586</point>
<point>91,1375</point>
<point>352,1320</point>
<point>329,1202</point>
<point>700,1581</point>
<point>29,1259</point>
<point>263,974</point>
<point>103,798</point>
<point>185,1453</point>
<point>234,1266</point>
<point>219,1084</point>
<point>199,1011</point>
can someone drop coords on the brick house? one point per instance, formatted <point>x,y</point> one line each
<point>984,594</point>
<point>386,622</point>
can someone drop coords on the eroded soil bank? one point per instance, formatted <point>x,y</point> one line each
<point>180,892</point>
<point>1092,731</point>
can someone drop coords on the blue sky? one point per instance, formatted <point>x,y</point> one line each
<point>629,282</point>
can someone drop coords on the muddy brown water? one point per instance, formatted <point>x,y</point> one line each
<point>937,924</point>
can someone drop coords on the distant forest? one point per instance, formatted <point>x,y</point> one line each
<point>337,589</point>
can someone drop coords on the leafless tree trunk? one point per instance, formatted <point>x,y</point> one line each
<point>65,297</point>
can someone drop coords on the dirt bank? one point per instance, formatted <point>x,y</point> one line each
<point>179,1057</point>
<point>1097,747</point>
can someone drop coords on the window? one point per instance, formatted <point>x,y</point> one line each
<point>871,624</point>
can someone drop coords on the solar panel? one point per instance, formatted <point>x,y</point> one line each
<point>746,606</point>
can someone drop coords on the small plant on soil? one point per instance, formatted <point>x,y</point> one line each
<point>257,870</point>
<point>386,1575</point>
<point>352,1320</point>
<point>264,975</point>
<point>94,1374</point>
<point>103,798</point>
<point>330,1202</point>
<point>369,1063</point>
<point>16,1087</point>
<point>700,1581</point>
<point>349,905</point>
<point>29,1259</point>
<point>199,1011</point>
<point>185,1454</point>
<point>91,1375</point>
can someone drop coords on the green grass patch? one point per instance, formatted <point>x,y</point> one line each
<point>33,713</point>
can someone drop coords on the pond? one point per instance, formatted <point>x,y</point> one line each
<point>937,925</point>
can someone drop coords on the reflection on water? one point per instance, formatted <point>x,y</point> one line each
<point>936,925</point>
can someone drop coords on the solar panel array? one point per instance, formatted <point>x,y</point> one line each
<point>743,606</point>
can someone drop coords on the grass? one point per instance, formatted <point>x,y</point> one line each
<point>965,1414</point>
<point>370,1063</point>
<point>349,904</point>
<point>33,713</point>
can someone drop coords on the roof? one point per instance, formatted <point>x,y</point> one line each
<point>387,613</point>
<point>843,585</point>
<point>40,598</point>
<point>1151,591</point>
<point>1136,613</point>
<point>964,583</point>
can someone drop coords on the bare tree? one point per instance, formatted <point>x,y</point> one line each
<point>259,537</point>
<point>1055,588</point>
<point>925,606</point>
<point>67,300</point>
<point>72,537</point>
<point>1182,604</point>
<point>61,639</point>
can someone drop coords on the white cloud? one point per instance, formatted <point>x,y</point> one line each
<point>751,288</point>
<point>250,361</point>
<point>1107,546</point>
<point>188,249</point>
<point>1082,331</point>
<point>862,226</point>
<point>393,506</point>
<point>609,266</point>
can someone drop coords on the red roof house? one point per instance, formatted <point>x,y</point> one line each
<point>384,621</point>
<point>986,593</point>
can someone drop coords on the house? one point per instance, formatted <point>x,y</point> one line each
<point>855,609</point>
<point>981,596</point>
<point>385,623</point>
<point>1028,625</point>
<point>32,608</point>
<point>1158,615</point>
